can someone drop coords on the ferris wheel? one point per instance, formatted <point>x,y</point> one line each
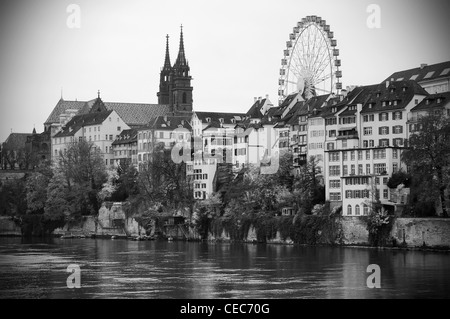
<point>311,61</point>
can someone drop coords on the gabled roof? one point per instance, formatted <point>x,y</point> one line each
<point>16,141</point>
<point>426,73</point>
<point>404,92</point>
<point>215,116</point>
<point>255,110</point>
<point>169,123</point>
<point>79,121</point>
<point>126,137</point>
<point>133,114</point>
<point>136,114</point>
<point>61,107</point>
<point>431,101</point>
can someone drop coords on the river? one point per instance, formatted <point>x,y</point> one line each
<point>161,269</point>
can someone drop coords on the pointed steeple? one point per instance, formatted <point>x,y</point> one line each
<point>181,59</point>
<point>167,65</point>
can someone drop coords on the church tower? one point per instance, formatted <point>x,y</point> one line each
<point>180,99</point>
<point>164,80</point>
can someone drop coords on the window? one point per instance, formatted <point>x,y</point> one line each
<point>365,209</point>
<point>397,115</point>
<point>344,143</point>
<point>379,154</point>
<point>335,183</point>
<point>333,157</point>
<point>383,117</point>
<point>335,170</point>
<point>385,193</point>
<point>394,167</point>
<point>349,209</point>
<point>368,131</point>
<point>352,169</point>
<point>360,169</point>
<point>384,130</point>
<point>379,168</point>
<point>332,133</point>
<point>365,144</point>
<point>360,155</point>
<point>357,210</point>
<point>161,134</point>
<point>345,156</point>
<point>352,155</point>
<point>397,141</point>
<point>384,142</point>
<point>348,194</point>
<point>368,169</point>
<point>395,153</point>
<point>369,118</point>
<point>345,170</point>
<point>335,196</point>
<point>371,143</point>
<point>119,128</point>
<point>330,146</point>
<point>385,180</point>
<point>398,129</point>
<point>368,155</point>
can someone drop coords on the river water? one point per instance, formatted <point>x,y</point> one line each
<point>160,269</point>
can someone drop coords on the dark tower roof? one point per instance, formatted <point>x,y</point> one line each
<point>181,59</point>
<point>167,65</point>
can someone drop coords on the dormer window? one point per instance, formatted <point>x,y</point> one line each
<point>395,102</point>
<point>383,103</point>
<point>404,89</point>
<point>221,120</point>
<point>333,110</point>
<point>392,89</point>
<point>208,119</point>
<point>233,121</point>
<point>378,94</point>
<point>427,101</point>
<point>439,100</point>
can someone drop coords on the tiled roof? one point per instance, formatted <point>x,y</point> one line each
<point>431,101</point>
<point>255,110</point>
<point>16,140</point>
<point>429,72</point>
<point>168,123</point>
<point>61,107</point>
<point>78,121</point>
<point>402,98</point>
<point>133,114</point>
<point>126,136</point>
<point>215,116</point>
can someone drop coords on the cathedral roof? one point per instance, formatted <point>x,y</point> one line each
<point>133,114</point>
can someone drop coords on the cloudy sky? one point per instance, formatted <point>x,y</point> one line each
<point>234,48</point>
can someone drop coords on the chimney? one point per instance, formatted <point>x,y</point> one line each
<point>387,84</point>
<point>256,99</point>
<point>267,96</point>
<point>423,65</point>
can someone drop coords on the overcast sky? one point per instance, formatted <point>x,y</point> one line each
<point>234,49</point>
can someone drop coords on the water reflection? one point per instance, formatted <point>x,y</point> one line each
<point>159,269</point>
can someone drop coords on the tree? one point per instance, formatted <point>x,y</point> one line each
<point>84,172</point>
<point>308,186</point>
<point>428,157</point>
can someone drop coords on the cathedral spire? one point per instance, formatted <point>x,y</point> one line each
<point>167,65</point>
<point>181,59</point>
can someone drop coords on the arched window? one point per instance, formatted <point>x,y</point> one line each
<point>365,209</point>
<point>184,97</point>
<point>349,210</point>
<point>357,212</point>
